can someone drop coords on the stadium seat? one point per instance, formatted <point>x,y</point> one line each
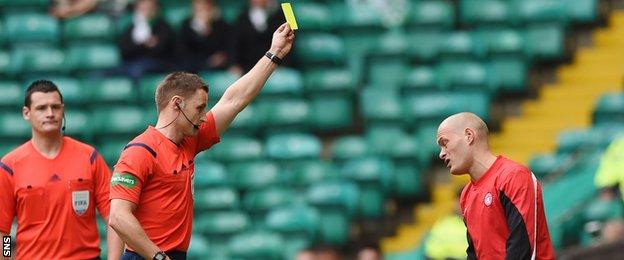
<point>77,123</point>
<point>331,113</point>
<point>285,113</point>
<point>407,182</point>
<point>5,60</point>
<point>298,220</point>
<point>503,41</point>
<point>13,125</point>
<point>92,57</point>
<point>8,146</point>
<point>306,173</point>
<point>111,148</point>
<point>582,11</point>
<point>313,16</point>
<point>357,17</point>
<point>485,12</point>
<point>380,104</point>
<point>218,82</point>
<point>36,59</point>
<point>464,76</point>
<point>392,141</point>
<point>31,27</point>
<point>508,74</point>
<point>248,120</point>
<point>570,140</point>
<point>25,4</point>
<point>320,49</point>
<point>539,11</point>
<point>237,148</point>
<point>393,43</point>
<point>428,47</point>
<point>431,108</point>
<point>462,44</point>
<point>347,147</point>
<point>175,15</point>
<point>369,170</point>
<point>198,248</point>
<point>216,198</point>
<point>325,81</point>
<point>432,14</point>
<point>283,82</point>
<point>148,85</point>
<point>544,42</point>
<point>254,175</point>
<point>111,90</point>
<point>604,210</point>
<point>126,120</point>
<point>420,79</point>
<point>218,226</point>
<point>12,95</point>
<point>261,201</point>
<point>609,108</point>
<point>337,202</point>
<point>543,164</point>
<point>96,27</point>
<point>387,73</point>
<point>293,146</point>
<point>257,244</point>
<point>209,174</point>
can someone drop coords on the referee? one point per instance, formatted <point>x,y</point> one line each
<point>152,187</point>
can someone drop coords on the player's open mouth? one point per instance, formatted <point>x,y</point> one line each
<point>447,162</point>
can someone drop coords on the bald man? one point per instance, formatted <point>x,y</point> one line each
<point>502,205</point>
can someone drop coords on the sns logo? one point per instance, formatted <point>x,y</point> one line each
<point>6,246</point>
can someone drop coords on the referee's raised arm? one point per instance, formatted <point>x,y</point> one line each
<point>244,90</point>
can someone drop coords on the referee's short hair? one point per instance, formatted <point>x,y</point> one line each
<point>41,85</point>
<point>183,84</point>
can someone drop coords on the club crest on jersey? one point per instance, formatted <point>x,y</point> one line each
<point>487,200</point>
<point>80,201</point>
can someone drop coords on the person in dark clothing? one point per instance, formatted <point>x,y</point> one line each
<point>147,44</point>
<point>204,38</point>
<point>253,32</point>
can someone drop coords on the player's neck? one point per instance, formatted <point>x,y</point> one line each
<point>167,126</point>
<point>481,164</point>
<point>48,145</point>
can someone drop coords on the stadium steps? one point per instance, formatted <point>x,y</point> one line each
<point>569,102</point>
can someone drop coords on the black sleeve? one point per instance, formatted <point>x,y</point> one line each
<point>163,32</point>
<point>518,245</point>
<point>470,251</point>
<point>127,47</point>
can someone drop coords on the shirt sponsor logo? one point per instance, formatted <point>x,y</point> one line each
<point>488,199</point>
<point>127,180</point>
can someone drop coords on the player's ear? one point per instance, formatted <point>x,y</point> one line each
<point>469,134</point>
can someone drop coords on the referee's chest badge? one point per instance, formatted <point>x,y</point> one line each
<point>487,200</point>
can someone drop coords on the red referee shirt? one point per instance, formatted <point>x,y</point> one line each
<point>504,214</point>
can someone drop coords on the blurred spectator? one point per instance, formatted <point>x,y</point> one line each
<point>253,31</point>
<point>305,254</point>
<point>326,252</point>
<point>613,231</point>
<point>447,239</point>
<point>610,175</point>
<point>369,252</point>
<point>64,9</point>
<point>204,38</point>
<point>147,44</point>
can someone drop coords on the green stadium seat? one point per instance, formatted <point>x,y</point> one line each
<point>380,104</point>
<point>284,81</point>
<point>407,182</point>
<point>218,82</point>
<point>420,79</point>
<point>543,164</point>
<point>31,27</point>
<point>293,146</point>
<point>313,16</point>
<point>539,11</point>
<point>12,94</point>
<point>426,136</point>
<point>582,11</point>
<point>175,15</point>
<point>294,220</point>
<point>92,57</point>
<point>88,27</point>
<point>324,81</point>
<point>604,210</point>
<point>570,140</point>
<point>8,146</point>
<point>503,41</point>
<point>367,170</point>
<point>362,17</point>
<point>485,12</point>
<point>237,148</point>
<point>112,89</point>
<point>216,198</point>
<point>250,119</point>
<point>285,112</point>
<point>198,248</point>
<point>428,47</point>
<point>222,224</point>
<point>432,14</point>
<point>508,74</point>
<point>610,108</point>
<point>331,113</point>
<point>254,175</point>
<point>13,125</point>
<point>462,44</point>
<point>464,75</point>
<point>126,120</point>
<point>544,42</point>
<point>347,147</point>
<point>394,43</point>
<point>392,141</point>
<point>334,194</point>
<point>111,148</point>
<point>306,173</point>
<point>432,108</point>
<point>209,174</point>
<point>261,201</point>
<point>5,61</point>
<point>25,4</point>
<point>148,85</point>
<point>387,73</point>
<point>320,49</point>
<point>36,59</point>
<point>77,123</point>
<point>256,244</point>
<point>2,33</point>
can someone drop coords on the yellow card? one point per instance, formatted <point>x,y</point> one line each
<point>290,16</point>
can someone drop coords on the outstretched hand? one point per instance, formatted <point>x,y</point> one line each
<point>283,39</point>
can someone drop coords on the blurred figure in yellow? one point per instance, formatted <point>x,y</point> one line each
<point>447,239</point>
